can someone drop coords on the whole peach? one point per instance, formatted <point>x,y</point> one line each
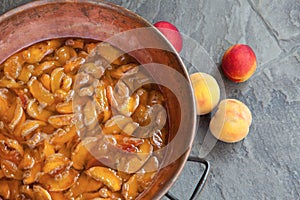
<point>206,91</point>
<point>239,63</point>
<point>231,122</point>
<point>171,32</point>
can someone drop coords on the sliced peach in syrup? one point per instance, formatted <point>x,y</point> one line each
<point>107,176</point>
<point>59,183</point>
<point>41,193</point>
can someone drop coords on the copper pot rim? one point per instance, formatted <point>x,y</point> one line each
<point>183,159</point>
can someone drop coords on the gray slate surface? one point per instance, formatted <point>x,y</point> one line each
<point>266,165</point>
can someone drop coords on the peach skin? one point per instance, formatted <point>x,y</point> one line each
<point>206,91</point>
<point>239,63</point>
<point>231,122</point>
<point>171,32</point>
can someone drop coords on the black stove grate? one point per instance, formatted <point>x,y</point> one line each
<point>201,182</point>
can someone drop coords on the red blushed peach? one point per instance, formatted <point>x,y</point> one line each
<point>239,63</point>
<point>206,91</point>
<point>231,122</point>
<point>171,33</point>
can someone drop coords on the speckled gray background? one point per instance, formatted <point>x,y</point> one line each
<point>266,165</point>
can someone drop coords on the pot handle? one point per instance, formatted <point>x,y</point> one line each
<point>201,182</point>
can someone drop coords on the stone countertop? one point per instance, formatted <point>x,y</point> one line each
<point>266,165</point>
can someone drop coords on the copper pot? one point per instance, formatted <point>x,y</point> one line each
<point>47,19</point>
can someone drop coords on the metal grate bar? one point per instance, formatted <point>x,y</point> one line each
<point>201,182</point>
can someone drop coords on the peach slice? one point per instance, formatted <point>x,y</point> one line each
<point>67,83</point>
<point>81,153</point>
<point>27,161</point>
<point>130,189</point>
<point>18,114</point>
<point>65,107</point>
<point>89,195</point>
<point>46,81</point>
<point>142,115</point>
<point>18,129</point>
<point>14,187</point>
<point>41,193</point>
<point>75,43</point>
<point>26,191</point>
<point>56,78</point>
<point>48,149</point>
<point>59,183</point>
<point>10,83</point>
<point>84,184</point>
<point>11,170</point>
<point>110,53</point>
<point>30,126</point>
<point>90,47</point>
<point>61,120</point>
<point>65,53</point>
<point>35,111</point>
<point>124,70</point>
<point>10,150</point>
<point>73,64</point>
<point>146,174</point>
<point>139,152</point>
<point>104,193</point>
<point>7,108</point>
<point>107,176</point>
<point>32,175</point>
<point>90,115</point>
<point>46,66</point>
<point>40,92</point>
<point>115,124</point>
<point>57,195</point>
<point>129,106</point>
<point>26,73</point>
<point>62,136</point>
<point>130,128</point>
<point>37,52</point>
<point>13,65</point>
<point>56,163</point>
<point>231,122</point>
<point>145,150</point>
<point>4,189</point>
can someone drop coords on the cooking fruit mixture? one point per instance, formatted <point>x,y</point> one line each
<point>70,127</point>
